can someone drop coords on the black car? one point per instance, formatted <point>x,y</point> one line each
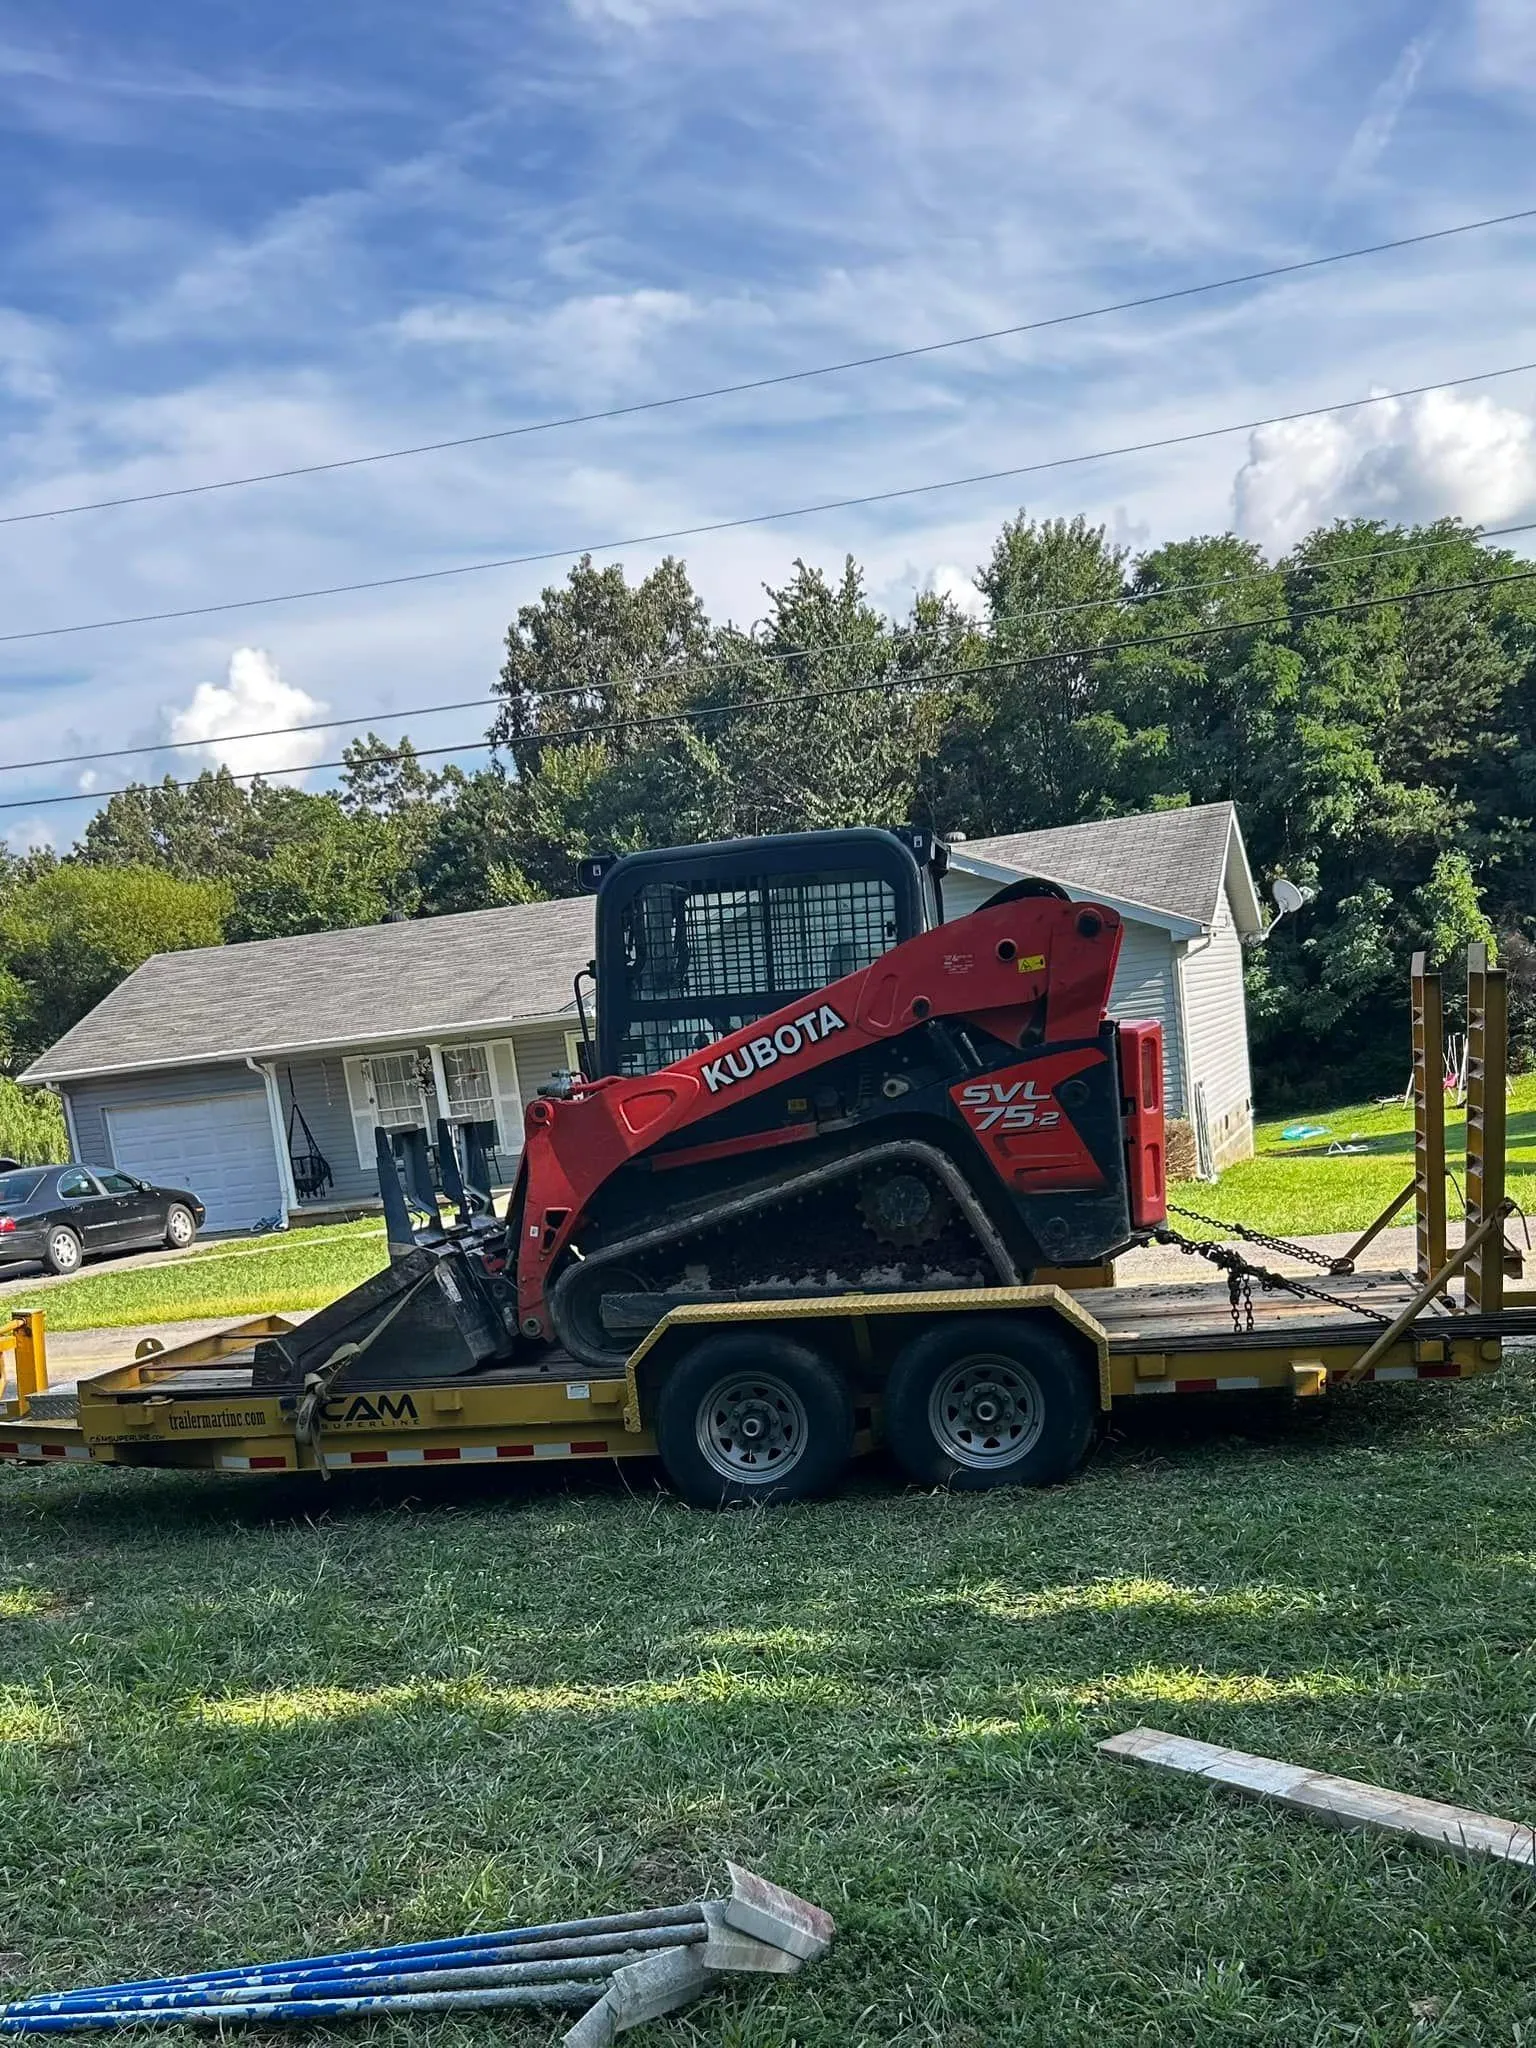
<point>65,1214</point>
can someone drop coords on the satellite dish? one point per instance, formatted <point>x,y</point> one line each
<point>1287,896</point>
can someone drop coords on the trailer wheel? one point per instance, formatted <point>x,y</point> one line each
<point>744,1417</point>
<point>990,1401</point>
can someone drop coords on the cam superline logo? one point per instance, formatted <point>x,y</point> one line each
<point>773,1046</point>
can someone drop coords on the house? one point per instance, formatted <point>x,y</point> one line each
<point>205,1069</point>
<point>1182,883</point>
<point>257,1074</point>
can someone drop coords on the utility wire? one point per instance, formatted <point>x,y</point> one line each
<point>239,604</point>
<point>784,698</point>
<point>750,652</point>
<point>895,355</point>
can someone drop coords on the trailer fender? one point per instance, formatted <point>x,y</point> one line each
<point>880,1325</point>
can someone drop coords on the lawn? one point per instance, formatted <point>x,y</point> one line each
<point>1298,1188</point>
<point>246,1719</point>
<point>239,1276</point>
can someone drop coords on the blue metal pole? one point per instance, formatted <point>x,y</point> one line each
<point>536,1971</point>
<point>450,1947</point>
<point>566,1994</point>
<point>359,1977</point>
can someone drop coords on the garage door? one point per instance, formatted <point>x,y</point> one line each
<point>219,1146</point>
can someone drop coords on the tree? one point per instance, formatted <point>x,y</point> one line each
<point>70,934</point>
<point>599,652</point>
<point>322,869</point>
<point>199,830</point>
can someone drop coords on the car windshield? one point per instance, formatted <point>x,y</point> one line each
<point>16,1188</point>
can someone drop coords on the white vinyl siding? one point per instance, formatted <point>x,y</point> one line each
<point>1218,1033</point>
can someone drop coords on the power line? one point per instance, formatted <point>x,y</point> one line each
<point>895,355</point>
<point>812,650</point>
<point>239,604</point>
<point>787,698</point>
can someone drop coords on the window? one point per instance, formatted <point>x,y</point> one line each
<point>397,1094</point>
<point>467,1072</point>
<point>16,1188</point>
<point>77,1185</point>
<point>119,1184</point>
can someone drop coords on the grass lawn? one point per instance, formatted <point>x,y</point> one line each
<point>242,1720</point>
<point>237,1276</point>
<point>1298,1189</point>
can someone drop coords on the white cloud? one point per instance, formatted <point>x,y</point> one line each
<point>1406,459</point>
<point>1388,101</point>
<point>31,836</point>
<point>255,699</point>
<point>948,581</point>
<point>88,779</point>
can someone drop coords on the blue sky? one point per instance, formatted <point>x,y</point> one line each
<point>239,237</point>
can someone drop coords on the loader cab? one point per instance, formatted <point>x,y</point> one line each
<point>695,941</point>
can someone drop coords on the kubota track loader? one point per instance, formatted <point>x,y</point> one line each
<point>801,1084</point>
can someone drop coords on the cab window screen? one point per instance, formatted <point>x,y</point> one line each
<point>701,962</point>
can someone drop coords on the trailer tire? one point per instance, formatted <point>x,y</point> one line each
<point>983,1401</point>
<point>746,1417</point>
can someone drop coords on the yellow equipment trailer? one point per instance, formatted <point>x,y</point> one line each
<point>197,1406</point>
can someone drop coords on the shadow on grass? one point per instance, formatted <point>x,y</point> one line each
<point>1202,1437</point>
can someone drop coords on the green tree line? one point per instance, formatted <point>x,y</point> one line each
<point>1368,700</point>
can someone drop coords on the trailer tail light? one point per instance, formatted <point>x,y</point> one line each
<point>1141,1089</point>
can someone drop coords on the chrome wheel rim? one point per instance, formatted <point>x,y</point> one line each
<point>751,1426</point>
<point>986,1412</point>
<point>64,1252</point>
<point>180,1227</point>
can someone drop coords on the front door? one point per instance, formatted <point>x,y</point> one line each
<point>139,1216</point>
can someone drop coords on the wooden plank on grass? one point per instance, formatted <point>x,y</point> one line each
<point>1340,1802</point>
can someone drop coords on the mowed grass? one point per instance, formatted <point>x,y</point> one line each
<point>1299,1189</point>
<point>252,1719</point>
<point>238,1276</point>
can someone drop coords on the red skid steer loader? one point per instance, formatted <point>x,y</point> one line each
<point>802,1083</point>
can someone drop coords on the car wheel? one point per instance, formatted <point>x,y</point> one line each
<point>180,1226</point>
<point>65,1251</point>
<point>752,1419</point>
<point>984,1401</point>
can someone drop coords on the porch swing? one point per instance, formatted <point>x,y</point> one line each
<point>311,1169</point>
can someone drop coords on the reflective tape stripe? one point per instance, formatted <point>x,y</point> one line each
<point>1247,1383</point>
<point>74,1453</point>
<point>470,1454</point>
<point>230,1463</point>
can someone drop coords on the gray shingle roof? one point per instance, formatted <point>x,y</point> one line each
<point>1169,860</point>
<point>432,975</point>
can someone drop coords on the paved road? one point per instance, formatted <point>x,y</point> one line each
<point>30,1272</point>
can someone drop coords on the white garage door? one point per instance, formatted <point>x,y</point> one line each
<point>218,1146</point>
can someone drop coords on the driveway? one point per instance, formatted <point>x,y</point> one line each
<point>32,1273</point>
